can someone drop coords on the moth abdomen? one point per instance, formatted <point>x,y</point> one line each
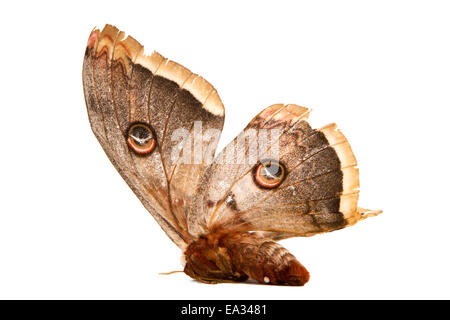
<point>240,256</point>
<point>268,262</point>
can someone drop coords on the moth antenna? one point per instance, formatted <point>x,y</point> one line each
<point>169,273</point>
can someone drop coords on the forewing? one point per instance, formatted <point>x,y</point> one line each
<point>123,86</point>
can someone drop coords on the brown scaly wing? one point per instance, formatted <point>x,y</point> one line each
<point>319,193</point>
<point>123,86</point>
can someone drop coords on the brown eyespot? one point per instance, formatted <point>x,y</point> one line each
<point>269,174</point>
<point>141,138</point>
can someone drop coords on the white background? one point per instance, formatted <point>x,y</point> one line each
<point>71,228</point>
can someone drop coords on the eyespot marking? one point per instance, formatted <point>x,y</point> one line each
<point>141,139</point>
<point>269,174</point>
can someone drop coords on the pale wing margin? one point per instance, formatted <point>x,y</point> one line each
<point>350,195</point>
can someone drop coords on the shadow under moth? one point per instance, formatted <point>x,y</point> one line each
<point>225,212</point>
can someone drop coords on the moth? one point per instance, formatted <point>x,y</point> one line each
<point>226,212</point>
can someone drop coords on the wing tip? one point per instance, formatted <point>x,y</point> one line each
<point>111,40</point>
<point>93,38</point>
<point>124,49</point>
<point>366,213</point>
<point>204,92</point>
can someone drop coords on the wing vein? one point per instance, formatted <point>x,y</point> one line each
<point>244,174</point>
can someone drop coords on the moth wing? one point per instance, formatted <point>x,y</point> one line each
<point>319,192</point>
<point>123,86</point>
